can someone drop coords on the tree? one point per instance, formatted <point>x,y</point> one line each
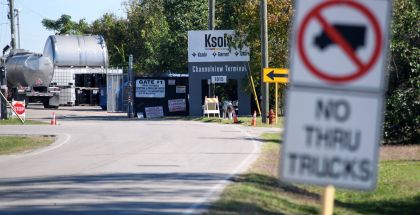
<point>244,17</point>
<point>147,31</point>
<point>115,32</point>
<point>156,33</point>
<point>64,25</point>
<point>402,118</point>
<point>182,16</point>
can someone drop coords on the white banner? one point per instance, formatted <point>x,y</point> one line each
<point>154,112</point>
<point>150,88</point>
<point>177,105</point>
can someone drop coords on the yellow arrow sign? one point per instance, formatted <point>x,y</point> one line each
<point>275,75</point>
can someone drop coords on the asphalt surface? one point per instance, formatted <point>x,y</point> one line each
<point>103,163</point>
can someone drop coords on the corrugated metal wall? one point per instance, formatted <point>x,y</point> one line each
<point>116,92</point>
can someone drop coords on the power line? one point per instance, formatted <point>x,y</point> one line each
<point>2,18</point>
<point>31,10</point>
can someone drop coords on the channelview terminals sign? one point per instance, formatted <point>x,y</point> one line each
<point>214,46</point>
<point>211,56</point>
<point>334,104</point>
<point>275,75</point>
<point>341,43</point>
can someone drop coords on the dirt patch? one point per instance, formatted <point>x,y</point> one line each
<point>409,152</point>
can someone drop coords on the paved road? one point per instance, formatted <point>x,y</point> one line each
<point>105,164</point>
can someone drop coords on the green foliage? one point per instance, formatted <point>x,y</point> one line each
<point>245,121</point>
<point>259,191</point>
<point>64,25</point>
<point>244,17</point>
<point>402,119</point>
<point>15,121</point>
<point>114,30</point>
<point>401,176</point>
<point>155,32</point>
<point>147,29</point>
<point>182,16</point>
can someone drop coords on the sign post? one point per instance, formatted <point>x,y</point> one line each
<point>276,95</point>
<point>334,105</point>
<point>327,207</point>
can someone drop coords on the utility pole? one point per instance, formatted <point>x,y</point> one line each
<point>18,27</point>
<point>211,24</point>
<point>212,16</point>
<point>12,24</point>
<point>264,61</point>
<point>3,89</point>
<point>130,113</point>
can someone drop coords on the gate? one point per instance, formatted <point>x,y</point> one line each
<point>116,92</point>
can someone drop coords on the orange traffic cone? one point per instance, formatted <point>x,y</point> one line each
<point>53,120</point>
<point>254,119</point>
<point>235,118</point>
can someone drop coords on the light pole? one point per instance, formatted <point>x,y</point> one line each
<point>211,25</point>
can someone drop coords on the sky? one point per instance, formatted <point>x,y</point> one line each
<point>33,34</point>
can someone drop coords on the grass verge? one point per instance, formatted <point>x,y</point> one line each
<point>16,144</point>
<point>246,121</point>
<point>15,121</point>
<point>260,192</point>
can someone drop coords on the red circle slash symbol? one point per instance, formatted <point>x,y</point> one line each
<point>338,38</point>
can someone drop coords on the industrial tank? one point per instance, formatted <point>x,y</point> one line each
<point>77,51</point>
<point>28,69</point>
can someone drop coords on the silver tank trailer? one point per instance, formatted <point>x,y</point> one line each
<point>28,69</point>
<point>77,50</point>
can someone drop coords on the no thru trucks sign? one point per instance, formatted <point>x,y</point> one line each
<point>334,107</point>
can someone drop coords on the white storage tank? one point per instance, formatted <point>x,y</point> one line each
<point>77,51</point>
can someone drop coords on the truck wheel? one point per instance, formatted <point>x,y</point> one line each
<point>46,104</point>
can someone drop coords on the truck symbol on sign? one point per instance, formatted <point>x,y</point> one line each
<point>353,34</point>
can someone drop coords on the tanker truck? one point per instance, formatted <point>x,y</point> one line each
<point>29,76</point>
<point>41,78</point>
